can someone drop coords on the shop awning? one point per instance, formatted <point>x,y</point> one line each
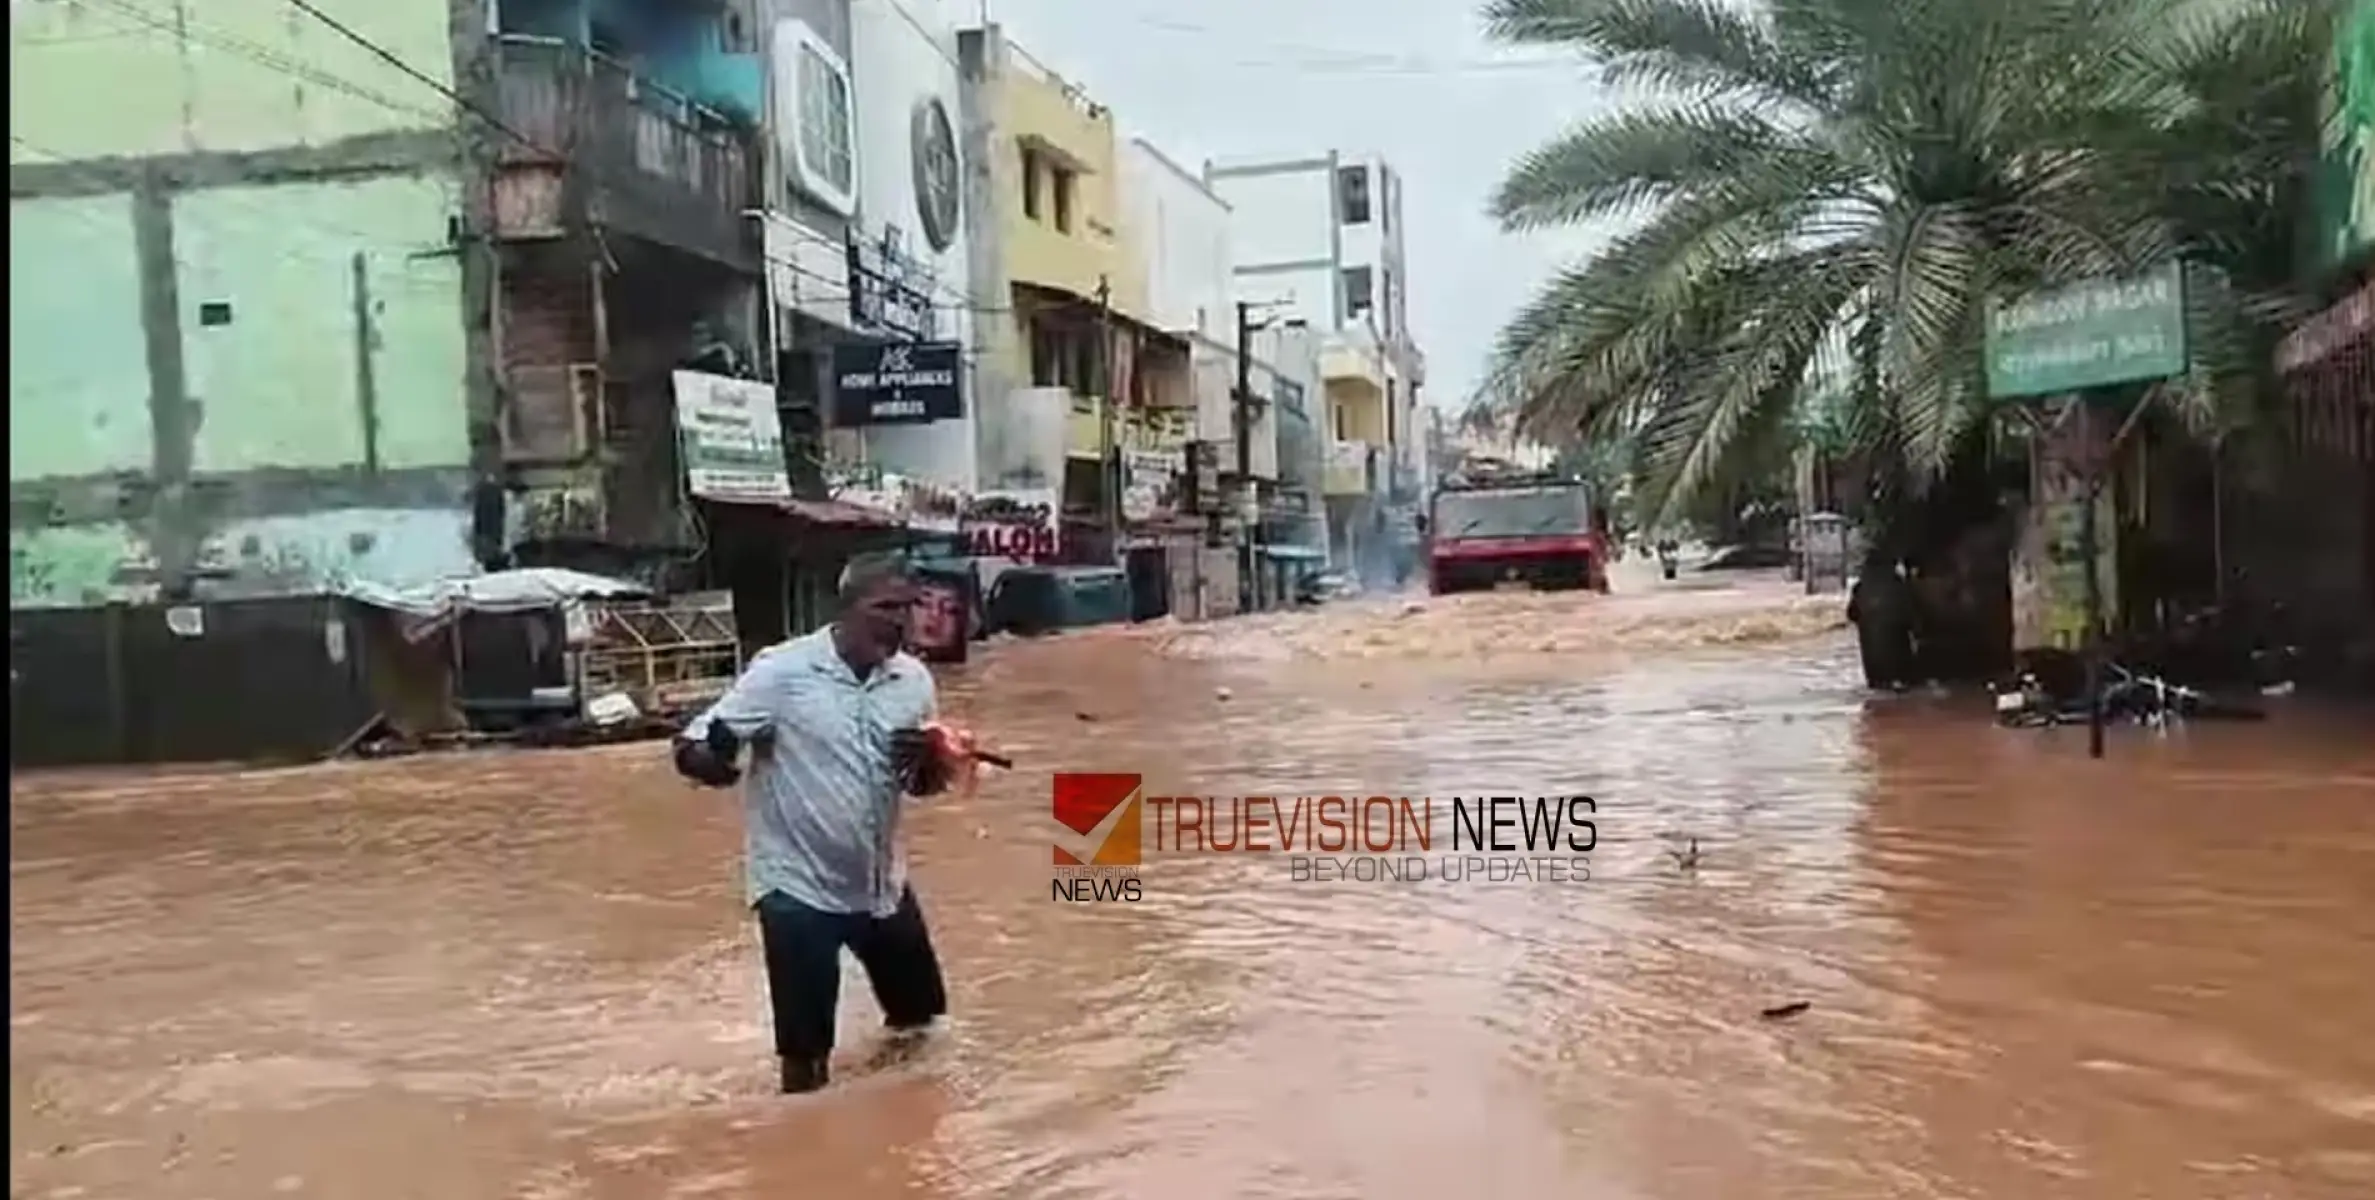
<point>839,513</point>
<point>527,590</point>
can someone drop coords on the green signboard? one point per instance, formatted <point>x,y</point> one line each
<point>2346,174</point>
<point>2093,334</point>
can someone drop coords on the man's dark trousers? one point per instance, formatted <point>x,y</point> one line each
<point>803,951</point>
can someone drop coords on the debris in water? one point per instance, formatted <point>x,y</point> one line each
<point>1783,1012</point>
<point>1222,693</point>
<point>1688,859</point>
<point>1085,716</point>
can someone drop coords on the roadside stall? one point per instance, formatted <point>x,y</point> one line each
<point>541,654</point>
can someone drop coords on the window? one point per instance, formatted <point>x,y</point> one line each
<point>821,154</point>
<point>1065,184</point>
<point>1062,357</point>
<point>1352,195</point>
<point>1031,172</point>
<point>1358,299</point>
<point>1389,192</point>
<point>1337,411</point>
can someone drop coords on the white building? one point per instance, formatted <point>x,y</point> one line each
<point>1320,239</point>
<point>864,238</point>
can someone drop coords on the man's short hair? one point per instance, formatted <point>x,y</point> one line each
<point>868,574</point>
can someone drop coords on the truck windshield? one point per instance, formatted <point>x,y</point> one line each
<point>1530,512</point>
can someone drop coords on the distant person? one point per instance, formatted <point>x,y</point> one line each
<point>834,721</point>
<point>1882,606</point>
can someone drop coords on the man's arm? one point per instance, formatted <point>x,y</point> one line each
<point>708,745</point>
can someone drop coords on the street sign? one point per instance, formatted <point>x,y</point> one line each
<point>2094,334</point>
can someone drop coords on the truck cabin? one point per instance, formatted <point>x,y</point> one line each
<point>1541,530</point>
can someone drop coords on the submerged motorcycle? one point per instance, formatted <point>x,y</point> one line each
<point>2126,695</point>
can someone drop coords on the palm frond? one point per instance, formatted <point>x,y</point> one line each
<point>1701,48</point>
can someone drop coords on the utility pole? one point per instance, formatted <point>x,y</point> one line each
<point>1110,461</point>
<point>1243,411</point>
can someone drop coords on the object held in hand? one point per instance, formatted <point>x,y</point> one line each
<point>961,755</point>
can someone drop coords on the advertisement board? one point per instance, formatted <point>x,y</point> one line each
<point>730,439</point>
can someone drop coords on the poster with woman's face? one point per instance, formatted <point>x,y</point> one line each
<point>936,630</point>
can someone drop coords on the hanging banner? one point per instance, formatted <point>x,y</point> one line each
<point>730,439</point>
<point>897,383</point>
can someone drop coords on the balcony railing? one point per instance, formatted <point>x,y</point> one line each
<point>645,160</point>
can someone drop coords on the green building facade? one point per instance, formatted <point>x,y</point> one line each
<point>236,311</point>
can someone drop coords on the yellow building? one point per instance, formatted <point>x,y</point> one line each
<point>1071,267</point>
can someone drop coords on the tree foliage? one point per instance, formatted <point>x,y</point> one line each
<point>1821,196</point>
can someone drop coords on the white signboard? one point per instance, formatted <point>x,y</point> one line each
<point>730,439</point>
<point>807,272</point>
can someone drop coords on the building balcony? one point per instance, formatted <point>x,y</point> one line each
<point>598,142</point>
<point>1353,359</point>
<point>1351,469</point>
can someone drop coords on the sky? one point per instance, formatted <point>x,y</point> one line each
<point>1413,80</point>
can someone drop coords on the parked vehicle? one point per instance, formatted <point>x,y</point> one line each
<point>1539,529</point>
<point>1030,601</point>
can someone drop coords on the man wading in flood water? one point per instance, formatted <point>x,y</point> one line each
<point>834,723</point>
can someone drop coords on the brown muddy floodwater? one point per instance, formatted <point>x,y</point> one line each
<point>529,974</point>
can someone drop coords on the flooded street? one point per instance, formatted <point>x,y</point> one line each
<point>529,974</point>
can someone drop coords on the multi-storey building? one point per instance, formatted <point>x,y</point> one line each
<point>1072,370</point>
<point>1320,239</point>
<point>347,290</point>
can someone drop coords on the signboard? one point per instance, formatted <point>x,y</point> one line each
<point>918,505</point>
<point>2094,334</point>
<point>1017,525</point>
<point>897,383</point>
<point>1150,483</point>
<point>1200,492</point>
<point>890,291</point>
<point>804,269</point>
<point>730,439</point>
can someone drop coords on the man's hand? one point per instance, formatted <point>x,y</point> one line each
<point>710,760</point>
<point>920,769</point>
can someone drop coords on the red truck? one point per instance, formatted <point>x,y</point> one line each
<point>1542,530</point>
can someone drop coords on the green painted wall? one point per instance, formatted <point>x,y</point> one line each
<point>298,378</point>
<point>103,80</point>
<point>78,394</point>
<point>280,385</point>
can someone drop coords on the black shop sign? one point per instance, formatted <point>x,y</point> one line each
<point>897,383</point>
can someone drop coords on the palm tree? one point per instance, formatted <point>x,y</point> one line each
<point>1835,188</point>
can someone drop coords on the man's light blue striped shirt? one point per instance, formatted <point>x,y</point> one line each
<point>821,810</point>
